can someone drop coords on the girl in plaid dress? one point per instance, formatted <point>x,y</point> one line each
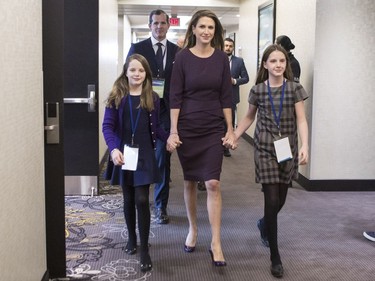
<point>279,105</point>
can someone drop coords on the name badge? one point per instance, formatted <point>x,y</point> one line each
<point>283,151</point>
<point>130,157</point>
<point>158,86</point>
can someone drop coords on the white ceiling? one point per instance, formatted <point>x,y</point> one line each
<point>138,17</point>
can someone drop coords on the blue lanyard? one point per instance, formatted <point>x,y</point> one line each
<point>134,126</point>
<point>277,118</point>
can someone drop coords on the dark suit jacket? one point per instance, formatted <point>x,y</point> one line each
<point>145,49</point>
<point>238,71</point>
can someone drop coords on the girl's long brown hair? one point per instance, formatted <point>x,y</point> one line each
<point>120,88</point>
<point>263,73</point>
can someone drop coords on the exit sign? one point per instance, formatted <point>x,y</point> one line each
<point>174,21</point>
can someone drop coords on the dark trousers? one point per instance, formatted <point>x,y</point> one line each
<point>161,189</point>
<point>234,108</point>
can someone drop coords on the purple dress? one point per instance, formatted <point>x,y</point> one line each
<point>201,88</point>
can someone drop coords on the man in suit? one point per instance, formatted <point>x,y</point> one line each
<point>239,77</point>
<point>161,63</point>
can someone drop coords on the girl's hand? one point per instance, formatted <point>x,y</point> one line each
<point>235,144</point>
<point>173,142</point>
<point>303,156</point>
<point>229,141</point>
<point>117,157</point>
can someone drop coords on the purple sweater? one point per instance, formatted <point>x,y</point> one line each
<point>113,124</point>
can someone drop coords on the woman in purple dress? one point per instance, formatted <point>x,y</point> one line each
<point>200,100</point>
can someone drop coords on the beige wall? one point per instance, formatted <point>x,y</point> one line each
<point>22,216</point>
<point>343,126</point>
<point>108,56</point>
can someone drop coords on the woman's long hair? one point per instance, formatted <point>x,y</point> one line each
<point>217,42</point>
<point>120,88</point>
<point>263,73</point>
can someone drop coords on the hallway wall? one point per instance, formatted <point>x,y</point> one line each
<point>22,207</point>
<point>108,59</point>
<point>343,125</point>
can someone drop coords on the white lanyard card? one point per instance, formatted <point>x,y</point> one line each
<point>158,86</point>
<point>130,158</point>
<point>282,148</point>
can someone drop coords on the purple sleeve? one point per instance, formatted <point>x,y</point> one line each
<point>109,127</point>
<point>177,82</point>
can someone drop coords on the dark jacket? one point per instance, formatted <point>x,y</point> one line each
<point>238,71</point>
<point>146,49</point>
<point>113,124</point>
<point>296,69</point>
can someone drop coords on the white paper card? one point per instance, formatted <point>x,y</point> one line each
<point>130,158</point>
<point>158,86</point>
<point>283,152</point>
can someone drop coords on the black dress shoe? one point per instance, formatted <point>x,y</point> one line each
<point>189,249</point>
<point>227,153</point>
<point>217,263</point>
<point>161,216</point>
<point>146,264</point>
<point>277,270</point>
<point>130,250</point>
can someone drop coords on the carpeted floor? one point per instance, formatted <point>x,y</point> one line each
<point>320,234</point>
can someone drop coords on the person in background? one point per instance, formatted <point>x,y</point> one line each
<point>278,103</point>
<point>287,44</point>
<point>370,235</point>
<point>180,41</point>
<point>201,99</point>
<point>160,54</point>
<point>239,77</point>
<point>131,124</point>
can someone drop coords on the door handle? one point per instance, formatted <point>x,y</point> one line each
<point>90,100</point>
<point>52,123</point>
<point>50,127</point>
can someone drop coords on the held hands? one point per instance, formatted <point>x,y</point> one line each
<point>117,157</point>
<point>230,141</point>
<point>173,142</point>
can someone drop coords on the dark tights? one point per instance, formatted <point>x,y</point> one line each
<point>274,200</point>
<point>137,197</point>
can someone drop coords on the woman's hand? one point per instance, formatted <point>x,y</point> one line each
<point>117,157</point>
<point>173,142</point>
<point>229,141</point>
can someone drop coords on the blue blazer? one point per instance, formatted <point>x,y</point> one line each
<point>145,49</point>
<point>238,71</point>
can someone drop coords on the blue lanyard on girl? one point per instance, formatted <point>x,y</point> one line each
<point>277,118</point>
<point>134,125</point>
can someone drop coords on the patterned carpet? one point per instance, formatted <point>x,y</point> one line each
<point>320,234</point>
<point>95,233</point>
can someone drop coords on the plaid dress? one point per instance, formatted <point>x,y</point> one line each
<point>267,169</point>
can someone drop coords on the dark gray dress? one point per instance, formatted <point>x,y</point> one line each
<point>267,169</point>
<point>201,88</point>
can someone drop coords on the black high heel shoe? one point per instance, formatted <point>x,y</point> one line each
<point>189,249</point>
<point>217,263</point>
<point>146,264</point>
<point>129,249</point>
